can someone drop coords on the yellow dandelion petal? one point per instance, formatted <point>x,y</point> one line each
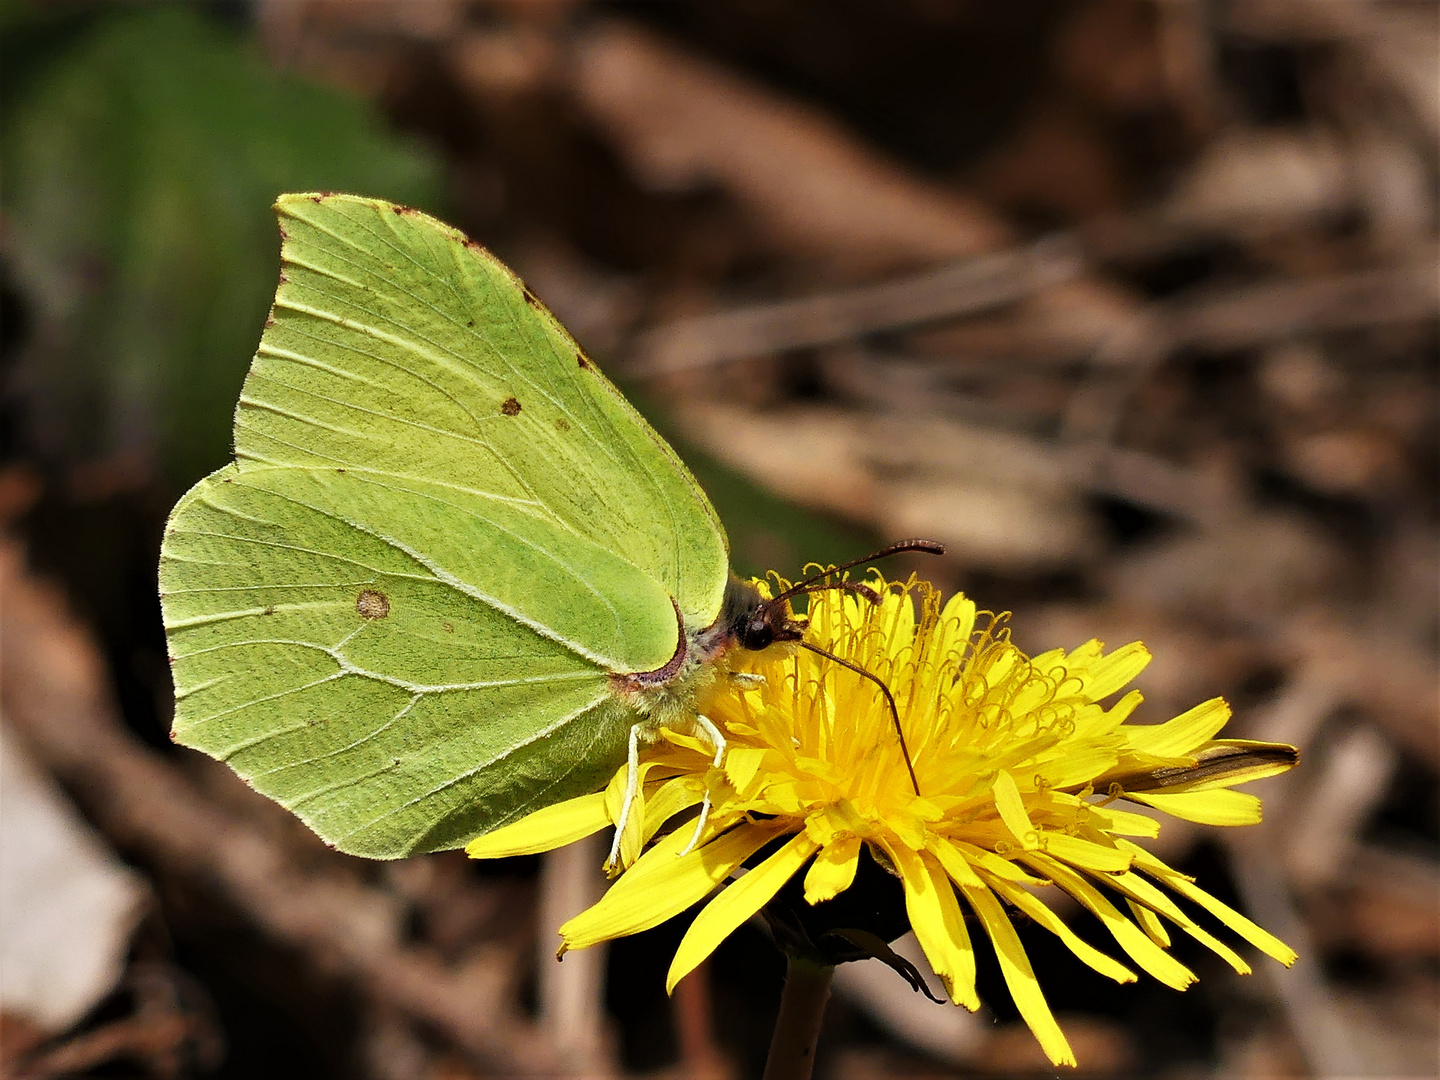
<point>1148,921</point>
<point>544,830</point>
<point>1127,935</point>
<point>664,883</point>
<point>956,623</point>
<point>938,923</point>
<point>1122,709</point>
<point>833,870</point>
<point>1261,938</point>
<point>1012,810</point>
<point>1143,892</point>
<point>743,765</point>
<point>1020,976</point>
<point>1220,806</point>
<point>1073,767</point>
<point>1104,675</point>
<point>1118,822</point>
<point>955,863</point>
<point>669,799</point>
<point>738,902</point>
<point>1181,736</point>
<point>1001,868</point>
<point>1084,853</point>
<point>1041,914</point>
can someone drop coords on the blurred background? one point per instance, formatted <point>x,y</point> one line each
<point>1132,303</point>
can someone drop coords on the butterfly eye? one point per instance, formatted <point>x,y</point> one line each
<point>758,633</point>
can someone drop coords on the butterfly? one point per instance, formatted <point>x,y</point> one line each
<point>452,576</point>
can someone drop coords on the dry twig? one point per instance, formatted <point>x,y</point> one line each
<point>977,284</point>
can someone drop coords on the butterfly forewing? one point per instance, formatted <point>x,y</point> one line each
<point>397,346</point>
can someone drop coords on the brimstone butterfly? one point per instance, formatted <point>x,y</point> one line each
<point>451,571</point>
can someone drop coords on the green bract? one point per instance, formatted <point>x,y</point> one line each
<point>400,610</point>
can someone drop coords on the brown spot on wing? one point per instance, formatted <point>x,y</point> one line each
<point>510,407</point>
<point>561,424</point>
<point>372,604</point>
<point>585,364</point>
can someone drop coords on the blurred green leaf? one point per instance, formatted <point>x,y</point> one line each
<point>139,167</point>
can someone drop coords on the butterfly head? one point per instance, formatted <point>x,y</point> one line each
<point>772,621</point>
<point>756,622</point>
<point>753,621</point>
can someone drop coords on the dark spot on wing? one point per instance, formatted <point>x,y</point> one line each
<point>447,627</point>
<point>561,424</point>
<point>510,407</point>
<point>400,209</point>
<point>269,610</point>
<point>584,361</point>
<point>269,321</point>
<point>371,604</point>
<point>530,297</point>
<point>320,197</point>
<point>283,278</point>
<point>469,322</point>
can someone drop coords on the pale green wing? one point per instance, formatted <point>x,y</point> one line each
<point>397,612</point>
<point>398,347</point>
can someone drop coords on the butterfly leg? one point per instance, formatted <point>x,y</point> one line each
<point>717,740</point>
<point>632,786</point>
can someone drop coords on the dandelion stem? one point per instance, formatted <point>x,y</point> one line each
<point>797,1028</point>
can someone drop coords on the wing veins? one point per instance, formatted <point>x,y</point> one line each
<point>568,718</point>
<point>444,577</point>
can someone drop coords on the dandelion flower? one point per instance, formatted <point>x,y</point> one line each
<point>1018,772</point>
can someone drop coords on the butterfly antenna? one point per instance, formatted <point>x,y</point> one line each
<point>930,547</point>
<point>856,587</point>
<point>889,700</point>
